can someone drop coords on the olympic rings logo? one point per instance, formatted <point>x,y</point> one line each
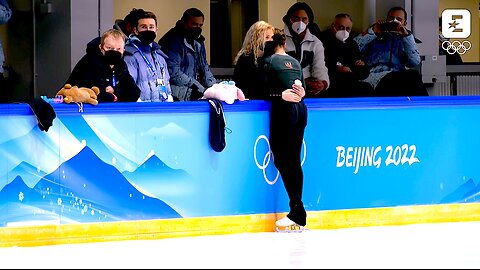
<point>269,156</point>
<point>456,46</point>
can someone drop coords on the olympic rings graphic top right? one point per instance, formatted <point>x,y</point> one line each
<point>456,46</point>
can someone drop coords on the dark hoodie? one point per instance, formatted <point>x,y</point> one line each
<point>174,33</point>
<point>189,71</point>
<point>93,70</point>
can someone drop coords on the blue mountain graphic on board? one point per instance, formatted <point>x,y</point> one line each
<point>464,193</point>
<point>157,178</point>
<point>19,203</point>
<point>27,172</point>
<point>154,167</point>
<point>41,148</point>
<point>95,188</point>
<point>473,195</point>
<point>80,128</point>
<point>18,191</point>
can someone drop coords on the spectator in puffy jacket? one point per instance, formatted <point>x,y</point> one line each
<point>146,61</point>
<point>391,52</point>
<point>187,63</point>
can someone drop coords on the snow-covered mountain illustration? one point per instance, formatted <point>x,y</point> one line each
<point>85,134</point>
<point>157,178</point>
<point>82,189</point>
<point>46,150</point>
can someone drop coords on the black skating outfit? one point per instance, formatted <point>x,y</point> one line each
<point>287,126</point>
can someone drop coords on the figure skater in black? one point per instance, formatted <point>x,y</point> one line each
<point>283,81</point>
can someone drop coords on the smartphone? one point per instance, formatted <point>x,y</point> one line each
<point>389,26</point>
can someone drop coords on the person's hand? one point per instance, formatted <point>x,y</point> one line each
<point>115,98</point>
<point>359,63</point>
<point>109,89</point>
<point>402,30</point>
<point>314,86</point>
<point>377,27</point>
<point>291,96</point>
<point>343,69</point>
<point>170,98</point>
<point>299,90</point>
<point>394,27</point>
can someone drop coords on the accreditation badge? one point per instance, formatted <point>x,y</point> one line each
<point>161,82</point>
<point>162,89</point>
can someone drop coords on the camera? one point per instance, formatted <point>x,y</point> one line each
<point>389,26</point>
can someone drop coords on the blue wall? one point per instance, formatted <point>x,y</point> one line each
<point>140,161</point>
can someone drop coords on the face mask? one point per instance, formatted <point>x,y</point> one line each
<point>299,27</point>
<point>262,46</point>
<point>147,37</point>
<point>395,21</point>
<point>194,33</point>
<point>342,35</point>
<point>113,57</point>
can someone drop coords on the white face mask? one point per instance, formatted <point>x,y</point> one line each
<point>395,21</point>
<point>342,35</point>
<point>299,27</point>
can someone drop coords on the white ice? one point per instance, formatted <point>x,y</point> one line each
<point>437,245</point>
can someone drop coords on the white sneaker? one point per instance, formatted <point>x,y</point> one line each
<point>284,222</point>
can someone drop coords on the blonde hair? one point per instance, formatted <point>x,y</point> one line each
<point>116,34</point>
<point>254,40</point>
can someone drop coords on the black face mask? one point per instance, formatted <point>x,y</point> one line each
<point>113,57</point>
<point>194,33</point>
<point>147,37</point>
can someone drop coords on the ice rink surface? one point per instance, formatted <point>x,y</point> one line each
<point>438,245</point>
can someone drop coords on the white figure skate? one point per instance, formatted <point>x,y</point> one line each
<point>287,225</point>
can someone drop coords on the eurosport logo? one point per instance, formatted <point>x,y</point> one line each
<point>456,46</point>
<point>263,165</point>
<point>456,23</point>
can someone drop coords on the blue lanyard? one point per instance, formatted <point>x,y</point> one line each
<point>150,66</point>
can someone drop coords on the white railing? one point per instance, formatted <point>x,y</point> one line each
<point>464,79</point>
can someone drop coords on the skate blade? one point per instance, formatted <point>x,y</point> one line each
<point>290,229</point>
